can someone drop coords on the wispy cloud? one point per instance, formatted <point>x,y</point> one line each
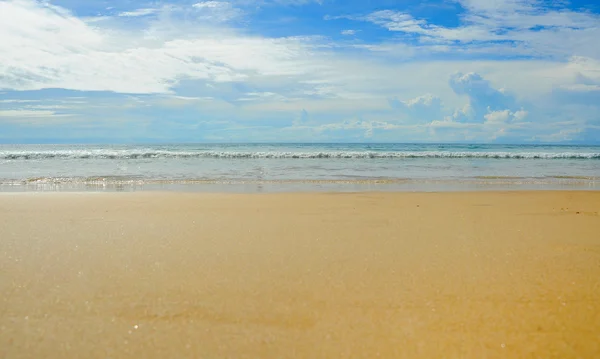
<point>31,113</point>
<point>138,12</point>
<point>518,69</point>
<point>530,27</point>
<point>211,5</point>
<point>349,32</point>
<point>77,56</point>
<point>18,101</point>
<point>217,10</point>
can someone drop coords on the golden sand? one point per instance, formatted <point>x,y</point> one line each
<point>391,275</point>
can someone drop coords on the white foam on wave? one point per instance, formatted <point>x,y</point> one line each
<point>150,154</point>
<point>116,181</point>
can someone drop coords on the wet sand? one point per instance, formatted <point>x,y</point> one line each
<point>394,275</point>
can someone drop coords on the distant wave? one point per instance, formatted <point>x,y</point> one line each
<point>150,154</point>
<point>126,180</point>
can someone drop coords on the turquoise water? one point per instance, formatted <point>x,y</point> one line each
<point>256,167</point>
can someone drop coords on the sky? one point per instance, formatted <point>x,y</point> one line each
<point>134,71</point>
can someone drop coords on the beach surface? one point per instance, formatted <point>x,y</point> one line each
<point>329,275</point>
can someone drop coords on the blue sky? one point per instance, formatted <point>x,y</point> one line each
<point>512,71</point>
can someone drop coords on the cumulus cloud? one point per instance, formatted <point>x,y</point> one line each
<point>584,87</point>
<point>489,114</point>
<point>196,56</point>
<point>498,116</point>
<point>482,97</point>
<point>421,109</point>
<point>425,101</point>
<point>520,115</point>
<point>505,117</point>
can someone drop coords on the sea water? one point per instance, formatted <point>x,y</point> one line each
<point>274,167</point>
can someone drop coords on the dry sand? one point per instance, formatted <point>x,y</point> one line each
<point>395,275</point>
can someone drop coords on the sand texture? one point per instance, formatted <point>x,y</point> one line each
<point>391,275</point>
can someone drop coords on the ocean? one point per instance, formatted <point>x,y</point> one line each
<point>297,167</point>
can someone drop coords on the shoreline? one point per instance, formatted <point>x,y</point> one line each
<point>296,275</point>
<point>310,186</point>
<point>379,193</point>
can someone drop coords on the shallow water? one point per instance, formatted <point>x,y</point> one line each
<point>273,167</point>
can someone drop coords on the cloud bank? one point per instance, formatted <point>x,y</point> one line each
<point>519,70</point>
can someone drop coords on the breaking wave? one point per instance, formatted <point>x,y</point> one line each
<point>150,154</point>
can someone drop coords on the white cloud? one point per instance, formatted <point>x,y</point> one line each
<point>188,98</point>
<point>581,84</point>
<point>210,4</point>
<point>498,117</point>
<point>365,129</point>
<point>18,101</point>
<point>192,57</point>
<point>424,101</point>
<point>462,114</point>
<point>518,26</point>
<point>349,32</point>
<point>30,113</point>
<point>47,47</point>
<point>138,12</point>
<point>560,136</point>
<point>262,96</point>
<point>218,11</point>
<point>520,115</point>
<point>482,97</point>
<point>289,2</point>
<point>581,88</point>
<point>587,69</point>
<point>397,21</point>
<point>421,109</point>
<point>489,114</point>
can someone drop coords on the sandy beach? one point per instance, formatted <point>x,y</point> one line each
<point>391,275</point>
